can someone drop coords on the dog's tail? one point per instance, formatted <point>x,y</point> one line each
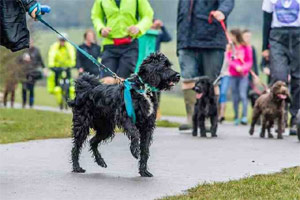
<point>83,85</point>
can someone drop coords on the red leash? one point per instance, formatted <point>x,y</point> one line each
<point>210,21</point>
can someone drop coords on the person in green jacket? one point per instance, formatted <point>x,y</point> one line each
<point>61,59</point>
<point>120,23</point>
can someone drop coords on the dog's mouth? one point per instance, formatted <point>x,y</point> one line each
<point>171,84</point>
<point>199,95</point>
<point>282,96</point>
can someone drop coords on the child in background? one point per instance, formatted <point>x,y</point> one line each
<point>239,68</point>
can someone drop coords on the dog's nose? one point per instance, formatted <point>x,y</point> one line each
<point>177,76</point>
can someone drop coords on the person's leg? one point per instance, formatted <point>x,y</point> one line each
<point>279,55</point>
<point>243,90</point>
<point>295,80</point>
<point>24,93</point>
<point>128,60</point>
<point>225,82</point>
<point>189,72</point>
<point>31,95</point>
<point>235,97</point>
<point>110,58</point>
<point>212,64</point>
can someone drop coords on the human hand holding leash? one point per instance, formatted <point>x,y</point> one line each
<point>105,31</point>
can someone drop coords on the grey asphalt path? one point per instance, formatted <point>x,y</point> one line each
<point>40,170</point>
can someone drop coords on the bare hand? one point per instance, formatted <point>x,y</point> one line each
<point>33,14</point>
<point>266,54</point>
<point>105,31</point>
<point>133,30</point>
<point>218,15</point>
<point>239,69</point>
<point>267,71</point>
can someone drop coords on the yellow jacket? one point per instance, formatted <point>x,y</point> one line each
<point>105,13</point>
<point>61,56</point>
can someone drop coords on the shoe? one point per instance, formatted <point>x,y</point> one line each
<point>293,130</point>
<point>293,126</point>
<point>244,121</point>
<point>236,122</point>
<point>184,127</point>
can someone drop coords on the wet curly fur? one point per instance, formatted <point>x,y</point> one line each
<point>271,106</point>
<point>102,108</point>
<point>205,107</point>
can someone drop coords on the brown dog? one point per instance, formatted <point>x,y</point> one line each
<point>271,106</point>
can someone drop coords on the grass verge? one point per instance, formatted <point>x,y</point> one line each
<point>19,125</point>
<point>283,185</point>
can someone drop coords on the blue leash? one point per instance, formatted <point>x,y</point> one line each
<point>87,55</point>
<point>127,84</point>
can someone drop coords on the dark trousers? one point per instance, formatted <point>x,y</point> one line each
<point>120,59</point>
<point>285,60</point>
<point>28,87</point>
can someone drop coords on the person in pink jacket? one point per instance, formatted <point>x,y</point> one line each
<point>240,60</point>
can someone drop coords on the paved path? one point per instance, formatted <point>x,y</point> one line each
<point>40,170</point>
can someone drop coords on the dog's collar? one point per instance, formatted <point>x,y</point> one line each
<point>148,87</point>
<point>128,99</point>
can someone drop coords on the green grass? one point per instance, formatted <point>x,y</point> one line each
<point>278,186</point>
<point>171,105</point>
<point>19,125</point>
<point>23,125</point>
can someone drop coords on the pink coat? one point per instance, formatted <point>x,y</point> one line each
<point>243,58</point>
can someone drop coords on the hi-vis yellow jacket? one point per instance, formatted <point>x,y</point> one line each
<point>61,56</point>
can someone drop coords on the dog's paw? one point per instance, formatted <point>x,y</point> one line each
<point>101,162</point>
<point>78,170</point>
<point>146,173</point>
<point>135,151</point>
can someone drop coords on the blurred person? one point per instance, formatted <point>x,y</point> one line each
<point>32,62</point>
<point>120,22</point>
<point>83,64</point>
<point>200,45</point>
<point>239,68</point>
<point>281,46</point>
<point>61,59</point>
<point>149,43</point>
<point>224,86</point>
<point>253,81</point>
<point>13,27</point>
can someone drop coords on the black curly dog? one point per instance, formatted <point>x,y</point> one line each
<point>205,107</point>
<point>102,108</point>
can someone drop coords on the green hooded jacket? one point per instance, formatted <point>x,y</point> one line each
<point>106,13</point>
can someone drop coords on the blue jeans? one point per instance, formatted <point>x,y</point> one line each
<point>239,87</point>
<point>200,62</point>
<point>225,83</point>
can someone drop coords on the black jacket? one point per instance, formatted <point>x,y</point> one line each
<point>14,34</point>
<point>86,64</point>
<point>193,29</point>
<point>31,69</point>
